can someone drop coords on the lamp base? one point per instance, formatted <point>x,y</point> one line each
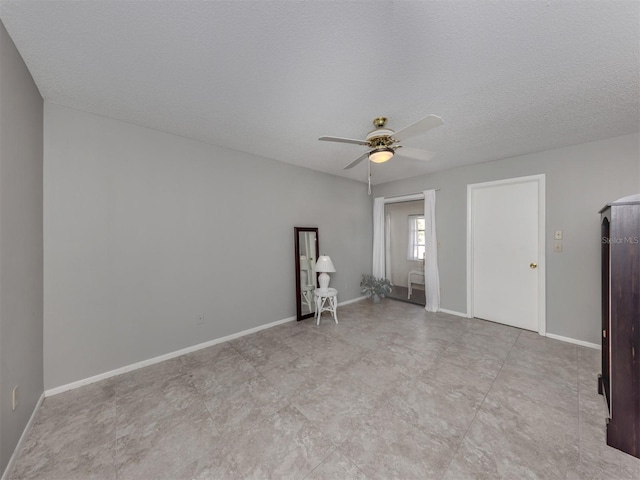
<point>323,280</point>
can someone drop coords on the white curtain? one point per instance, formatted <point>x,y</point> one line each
<point>378,269</point>
<point>431,275</point>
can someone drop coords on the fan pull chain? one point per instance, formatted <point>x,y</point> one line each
<point>369,168</point>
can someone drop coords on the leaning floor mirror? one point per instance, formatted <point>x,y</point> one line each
<point>306,241</point>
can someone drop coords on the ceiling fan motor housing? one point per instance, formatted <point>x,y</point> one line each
<point>380,137</point>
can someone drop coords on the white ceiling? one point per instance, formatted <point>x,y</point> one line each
<point>270,77</point>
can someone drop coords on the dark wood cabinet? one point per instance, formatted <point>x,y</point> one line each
<point>619,381</point>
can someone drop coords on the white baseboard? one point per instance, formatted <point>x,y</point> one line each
<point>451,312</point>
<point>353,300</point>
<point>574,341</point>
<point>16,451</point>
<point>549,335</point>
<point>162,358</point>
<point>168,356</point>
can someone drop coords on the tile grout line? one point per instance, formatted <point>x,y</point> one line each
<point>480,406</point>
<point>321,461</point>
<point>336,449</point>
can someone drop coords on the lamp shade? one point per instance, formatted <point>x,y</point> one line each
<point>381,155</point>
<point>324,264</point>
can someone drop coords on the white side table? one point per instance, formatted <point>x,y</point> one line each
<point>326,301</point>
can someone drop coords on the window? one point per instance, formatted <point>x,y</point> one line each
<point>416,238</point>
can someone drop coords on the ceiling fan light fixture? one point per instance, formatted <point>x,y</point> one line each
<point>381,155</point>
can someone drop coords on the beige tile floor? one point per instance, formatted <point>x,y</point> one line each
<point>390,392</point>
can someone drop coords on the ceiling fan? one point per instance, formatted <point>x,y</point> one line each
<point>383,142</point>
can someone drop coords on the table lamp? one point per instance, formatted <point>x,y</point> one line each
<point>324,265</point>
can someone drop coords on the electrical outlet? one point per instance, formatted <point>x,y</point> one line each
<point>558,235</point>
<point>14,398</point>
<point>200,319</point>
<point>557,247</point>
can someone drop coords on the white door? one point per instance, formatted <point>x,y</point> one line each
<point>507,252</point>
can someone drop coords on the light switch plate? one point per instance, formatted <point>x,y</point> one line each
<point>557,247</point>
<point>558,235</point>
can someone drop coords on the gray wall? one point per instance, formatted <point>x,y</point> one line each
<point>144,230</point>
<point>20,245</point>
<point>580,179</point>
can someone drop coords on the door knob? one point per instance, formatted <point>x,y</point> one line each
<point>533,265</point>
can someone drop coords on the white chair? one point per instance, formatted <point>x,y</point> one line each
<point>418,280</point>
<point>328,297</point>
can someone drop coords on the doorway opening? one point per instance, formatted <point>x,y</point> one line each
<point>405,250</point>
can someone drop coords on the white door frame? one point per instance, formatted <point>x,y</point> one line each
<point>540,179</point>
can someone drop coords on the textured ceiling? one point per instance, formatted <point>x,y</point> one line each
<point>270,77</point>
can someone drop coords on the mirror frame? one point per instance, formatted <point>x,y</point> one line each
<point>297,231</point>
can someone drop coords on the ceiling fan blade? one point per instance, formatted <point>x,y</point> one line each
<point>421,126</point>
<point>415,153</point>
<point>357,161</point>
<point>344,140</point>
